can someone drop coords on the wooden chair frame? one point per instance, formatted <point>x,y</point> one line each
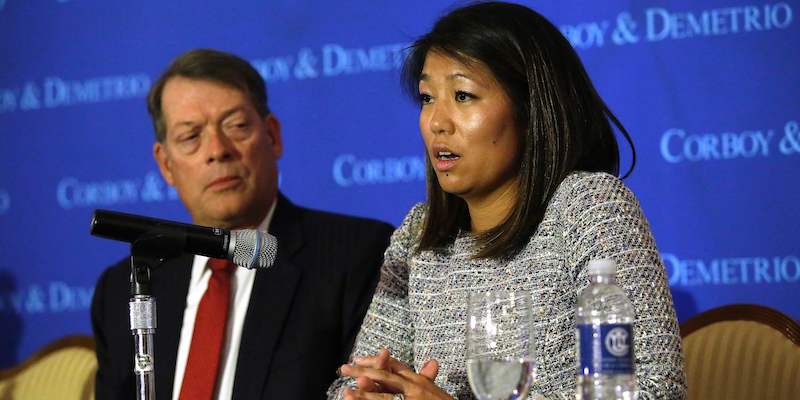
<point>744,312</point>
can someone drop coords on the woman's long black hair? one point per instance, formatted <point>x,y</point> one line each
<point>562,122</point>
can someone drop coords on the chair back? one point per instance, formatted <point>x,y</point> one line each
<point>64,369</point>
<point>742,351</point>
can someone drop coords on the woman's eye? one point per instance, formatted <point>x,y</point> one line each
<point>425,98</point>
<point>463,96</point>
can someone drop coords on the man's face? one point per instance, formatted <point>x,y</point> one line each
<point>219,153</point>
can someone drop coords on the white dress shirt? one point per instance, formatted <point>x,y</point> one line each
<point>241,287</point>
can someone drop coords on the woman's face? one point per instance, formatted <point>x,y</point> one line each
<point>468,126</point>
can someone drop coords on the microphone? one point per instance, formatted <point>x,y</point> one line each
<point>248,248</point>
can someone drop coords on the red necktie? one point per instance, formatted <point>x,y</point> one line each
<point>202,366</point>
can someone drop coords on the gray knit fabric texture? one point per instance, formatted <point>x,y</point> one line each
<point>419,308</point>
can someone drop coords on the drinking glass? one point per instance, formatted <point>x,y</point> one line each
<point>501,353</point>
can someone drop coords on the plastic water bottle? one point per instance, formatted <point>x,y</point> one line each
<point>605,337</point>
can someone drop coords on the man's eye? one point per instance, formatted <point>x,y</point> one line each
<point>188,137</point>
<point>188,143</point>
<point>238,130</point>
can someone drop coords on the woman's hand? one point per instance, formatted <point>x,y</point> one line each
<point>381,377</point>
<point>381,361</point>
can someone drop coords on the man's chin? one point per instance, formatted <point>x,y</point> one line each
<point>219,218</point>
<point>235,218</point>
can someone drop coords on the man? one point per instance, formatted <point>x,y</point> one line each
<point>227,332</point>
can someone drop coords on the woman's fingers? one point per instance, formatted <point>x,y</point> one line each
<point>382,360</point>
<point>430,369</point>
<point>367,385</point>
<point>377,361</point>
<point>394,365</point>
<point>388,381</point>
<point>415,386</point>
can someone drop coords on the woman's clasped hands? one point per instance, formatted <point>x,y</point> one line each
<point>382,377</point>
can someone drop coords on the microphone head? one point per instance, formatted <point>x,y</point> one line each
<point>250,248</point>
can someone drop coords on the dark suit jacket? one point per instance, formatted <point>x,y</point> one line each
<point>302,319</point>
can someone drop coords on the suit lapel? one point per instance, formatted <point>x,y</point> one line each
<point>170,282</point>
<point>270,303</point>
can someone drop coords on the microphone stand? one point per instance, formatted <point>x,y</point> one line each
<point>142,311</point>
<point>147,252</point>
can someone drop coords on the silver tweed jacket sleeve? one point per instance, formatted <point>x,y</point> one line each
<point>388,321</point>
<point>591,215</point>
<point>602,219</point>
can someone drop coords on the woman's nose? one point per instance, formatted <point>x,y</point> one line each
<point>440,121</point>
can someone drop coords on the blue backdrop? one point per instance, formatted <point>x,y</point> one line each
<point>708,89</point>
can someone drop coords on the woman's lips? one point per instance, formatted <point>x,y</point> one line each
<point>224,183</point>
<point>444,159</point>
<point>444,165</point>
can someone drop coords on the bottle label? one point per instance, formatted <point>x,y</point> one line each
<point>605,348</point>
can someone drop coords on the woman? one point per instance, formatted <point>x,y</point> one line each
<point>522,194</point>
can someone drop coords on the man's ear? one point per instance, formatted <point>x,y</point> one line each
<point>274,132</point>
<point>162,159</point>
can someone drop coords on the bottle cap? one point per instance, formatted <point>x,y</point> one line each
<point>602,267</point>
